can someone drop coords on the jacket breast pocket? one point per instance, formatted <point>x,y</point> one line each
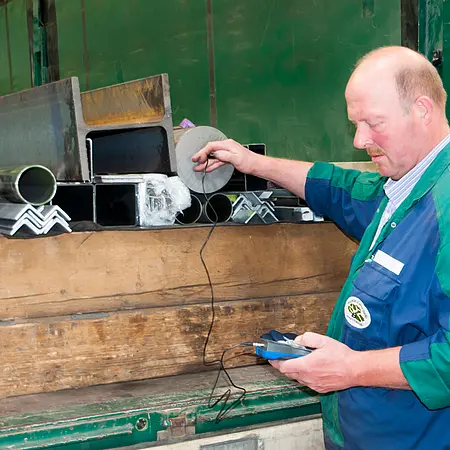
<point>367,310</point>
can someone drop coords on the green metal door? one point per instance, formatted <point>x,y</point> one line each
<point>267,71</point>
<point>105,42</point>
<point>434,36</point>
<point>15,66</point>
<point>271,71</point>
<point>282,66</point>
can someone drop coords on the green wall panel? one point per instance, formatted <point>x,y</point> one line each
<point>70,43</point>
<point>4,62</point>
<point>15,72</point>
<point>282,66</point>
<point>20,52</point>
<point>135,39</point>
<point>443,17</point>
<point>434,34</point>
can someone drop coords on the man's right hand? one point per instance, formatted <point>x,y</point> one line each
<point>283,172</point>
<point>224,152</point>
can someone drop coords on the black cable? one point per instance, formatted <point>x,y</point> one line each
<point>213,312</point>
<point>227,394</point>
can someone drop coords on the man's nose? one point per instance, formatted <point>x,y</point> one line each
<point>362,138</point>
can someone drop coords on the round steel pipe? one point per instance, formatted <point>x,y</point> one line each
<point>192,213</point>
<point>216,209</point>
<point>33,184</point>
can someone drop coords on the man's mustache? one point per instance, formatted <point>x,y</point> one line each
<point>374,152</point>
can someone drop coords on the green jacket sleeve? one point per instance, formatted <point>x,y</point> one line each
<point>426,363</point>
<point>348,197</point>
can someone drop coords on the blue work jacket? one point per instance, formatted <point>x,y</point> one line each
<point>397,294</point>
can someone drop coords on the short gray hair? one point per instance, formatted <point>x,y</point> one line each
<point>414,76</point>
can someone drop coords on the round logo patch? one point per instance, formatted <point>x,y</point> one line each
<point>356,313</point>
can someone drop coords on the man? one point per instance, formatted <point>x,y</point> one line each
<point>385,362</point>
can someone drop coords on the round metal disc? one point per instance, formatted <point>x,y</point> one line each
<point>190,142</point>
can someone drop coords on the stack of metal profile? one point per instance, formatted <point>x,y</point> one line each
<point>26,192</point>
<point>34,220</point>
<point>288,207</point>
<point>98,147</point>
<point>254,207</point>
<point>116,130</point>
<point>264,207</point>
<point>128,126</point>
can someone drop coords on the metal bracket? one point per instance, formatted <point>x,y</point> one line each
<point>437,58</point>
<point>177,427</point>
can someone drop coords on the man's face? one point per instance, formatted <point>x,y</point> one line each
<point>383,129</point>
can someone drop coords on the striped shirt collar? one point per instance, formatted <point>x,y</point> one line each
<point>397,191</point>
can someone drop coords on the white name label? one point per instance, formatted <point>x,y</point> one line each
<point>388,262</point>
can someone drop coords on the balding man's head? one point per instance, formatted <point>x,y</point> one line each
<point>413,74</point>
<point>396,100</point>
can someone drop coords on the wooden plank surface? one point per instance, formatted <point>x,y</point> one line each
<point>60,353</point>
<point>120,270</point>
<point>97,308</point>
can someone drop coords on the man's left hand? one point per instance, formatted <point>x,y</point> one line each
<point>327,368</point>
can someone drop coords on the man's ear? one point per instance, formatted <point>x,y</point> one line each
<point>423,109</point>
